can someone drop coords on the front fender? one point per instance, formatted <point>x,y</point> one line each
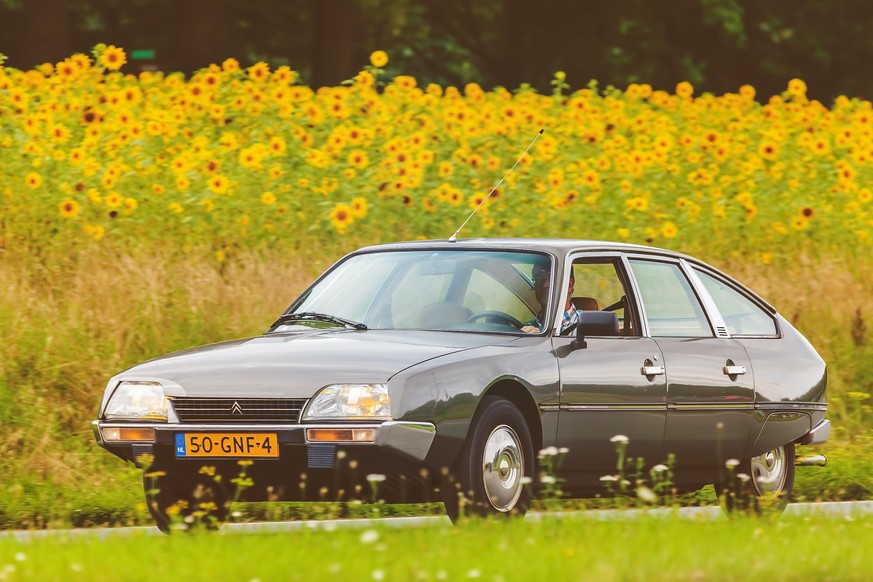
<point>459,381</point>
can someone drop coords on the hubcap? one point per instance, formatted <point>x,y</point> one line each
<point>503,468</point>
<point>769,472</point>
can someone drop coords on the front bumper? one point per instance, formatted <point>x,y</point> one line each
<point>410,440</point>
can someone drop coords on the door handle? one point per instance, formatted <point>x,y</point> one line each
<point>734,370</point>
<point>649,368</point>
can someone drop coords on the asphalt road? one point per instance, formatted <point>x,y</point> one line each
<point>837,508</point>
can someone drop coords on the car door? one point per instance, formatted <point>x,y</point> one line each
<point>612,386</point>
<point>710,385</point>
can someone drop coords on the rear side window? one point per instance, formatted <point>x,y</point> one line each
<point>741,315</point>
<point>672,308</point>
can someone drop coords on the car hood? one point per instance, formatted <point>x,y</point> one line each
<point>297,364</point>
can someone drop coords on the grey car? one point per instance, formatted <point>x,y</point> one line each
<point>442,370</point>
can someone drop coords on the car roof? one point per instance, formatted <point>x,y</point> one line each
<point>558,246</point>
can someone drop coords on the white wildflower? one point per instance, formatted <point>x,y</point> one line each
<point>369,536</point>
<point>646,494</point>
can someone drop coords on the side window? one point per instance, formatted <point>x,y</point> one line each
<point>672,308</point>
<point>741,315</point>
<point>598,287</point>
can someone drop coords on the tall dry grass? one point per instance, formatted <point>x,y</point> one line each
<point>69,326</point>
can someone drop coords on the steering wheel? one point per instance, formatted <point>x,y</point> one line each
<point>497,317</point>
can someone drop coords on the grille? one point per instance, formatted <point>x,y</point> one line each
<point>238,409</point>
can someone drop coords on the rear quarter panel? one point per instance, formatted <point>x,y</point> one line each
<point>790,386</point>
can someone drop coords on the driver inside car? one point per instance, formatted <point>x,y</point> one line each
<point>542,280</point>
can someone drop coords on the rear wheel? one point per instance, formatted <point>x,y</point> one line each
<point>185,504</point>
<point>760,484</point>
<point>490,477</point>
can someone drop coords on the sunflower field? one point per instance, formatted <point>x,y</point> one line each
<point>236,158</point>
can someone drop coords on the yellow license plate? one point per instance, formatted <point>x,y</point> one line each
<point>237,445</point>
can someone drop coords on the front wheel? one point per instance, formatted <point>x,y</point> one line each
<point>494,472</point>
<point>185,504</point>
<point>762,483</point>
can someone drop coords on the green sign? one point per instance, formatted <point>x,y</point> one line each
<point>142,54</point>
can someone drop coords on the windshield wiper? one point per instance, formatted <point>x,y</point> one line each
<point>314,316</point>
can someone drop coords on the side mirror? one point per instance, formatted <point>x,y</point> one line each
<point>595,323</point>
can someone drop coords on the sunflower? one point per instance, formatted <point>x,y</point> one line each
<point>278,146</point>
<point>268,198</point>
<point>60,134</point>
<point>684,90</point>
<point>341,217</point>
<point>796,88</point>
<point>95,231</point>
<point>747,92</point>
<point>113,58</point>
<point>768,150</point>
<point>219,184</point>
<point>66,69</point>
<point>359,207</point>
<point>378,59</point>
<point>33,180</point>
<point>114,200</point>
<point>358,159</point>
<point>259,72</point>
<point>230,65</point>
<point>69,208</point>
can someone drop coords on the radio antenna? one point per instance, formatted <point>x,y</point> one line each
<point>454,237</point>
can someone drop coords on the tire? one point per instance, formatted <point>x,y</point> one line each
<point>768,488</point>
<point>489,478</point>
<point>185,504</point>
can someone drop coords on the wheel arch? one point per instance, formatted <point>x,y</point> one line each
<point>515,392</point>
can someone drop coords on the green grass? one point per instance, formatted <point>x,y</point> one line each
<point>114,496</point>
<point>566,548</point>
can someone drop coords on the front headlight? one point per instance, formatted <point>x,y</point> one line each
<point>137,400</point>
<point>350,402</point>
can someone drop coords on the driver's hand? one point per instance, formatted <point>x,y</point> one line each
<point>531,329</point>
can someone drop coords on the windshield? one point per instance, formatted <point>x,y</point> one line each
<point>446,290</point>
